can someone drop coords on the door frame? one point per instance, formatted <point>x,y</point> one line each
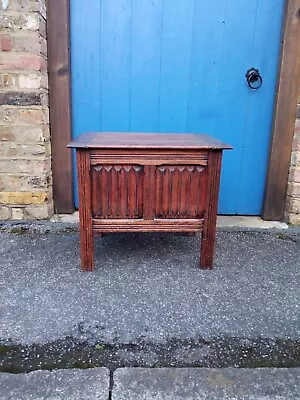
<point>284,116</point>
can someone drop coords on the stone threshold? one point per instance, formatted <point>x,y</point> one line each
<point>235,221</point>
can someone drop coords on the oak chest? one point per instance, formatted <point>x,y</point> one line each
<point>148,183</point>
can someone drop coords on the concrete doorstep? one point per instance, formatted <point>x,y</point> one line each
<point>154,384</point>
<point>224,221</point>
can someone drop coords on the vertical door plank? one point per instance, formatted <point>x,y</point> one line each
<point>85,68</point>
<point>86,62</point>
<point>175,64</point>
<point>115,64</point>
<point>239,31</point>
<point>205,68</point>
<point>260,104</point>
<point>145,65</point>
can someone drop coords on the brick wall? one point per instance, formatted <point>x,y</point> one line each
<point>293,195</point>
<point>25,156</point>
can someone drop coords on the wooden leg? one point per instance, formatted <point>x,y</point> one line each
<point>86,248</point>
<point>210,220</point>
<point>85,214</point>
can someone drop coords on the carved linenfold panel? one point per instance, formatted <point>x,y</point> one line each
<point>180,191</point>
<point>117,191</point>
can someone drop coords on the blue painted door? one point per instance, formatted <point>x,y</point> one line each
<point>179,66</point>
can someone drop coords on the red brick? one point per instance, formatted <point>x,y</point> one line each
<point>22,62</point>
<point>6,43</point>
<point>28,44</point>
<point>43,64</point>
<point>31,62</point>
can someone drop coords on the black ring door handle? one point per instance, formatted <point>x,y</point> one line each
<point>254,78</point>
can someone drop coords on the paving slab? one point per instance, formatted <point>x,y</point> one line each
<point>206,384</point>
<point>76,384</point>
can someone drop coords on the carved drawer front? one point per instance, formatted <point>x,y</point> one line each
<point>117,191</point>
<point>180,191</point>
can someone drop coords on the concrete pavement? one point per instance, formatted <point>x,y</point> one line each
<point>148,305</point>
<point>148,287</point>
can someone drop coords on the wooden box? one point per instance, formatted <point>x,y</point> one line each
<point>148,183</point>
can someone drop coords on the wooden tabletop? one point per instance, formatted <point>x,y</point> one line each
<point>109,140</point>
